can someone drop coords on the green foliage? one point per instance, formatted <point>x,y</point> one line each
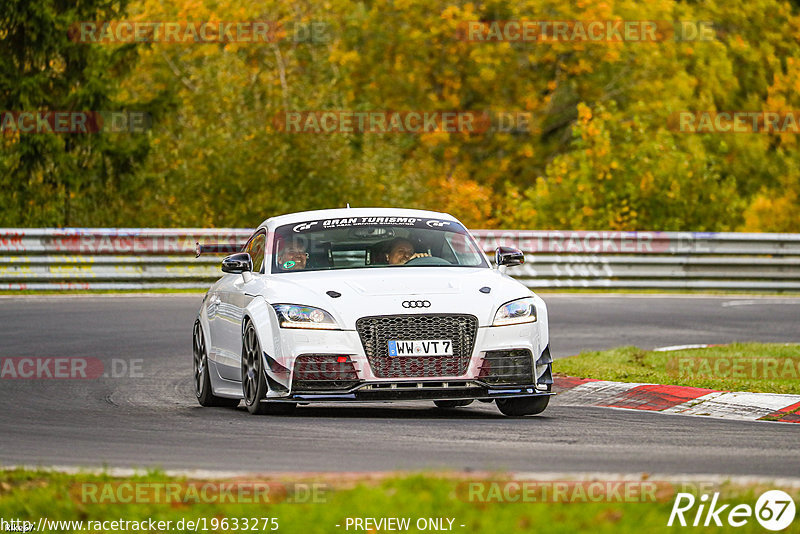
<point>63,179</point>
<point>621,176</point>
<point>481,503</point>
<point>757,367</point>
<point>599,151</point>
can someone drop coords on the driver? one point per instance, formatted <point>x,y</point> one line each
<point>292,255</point>
<point>401,250</point>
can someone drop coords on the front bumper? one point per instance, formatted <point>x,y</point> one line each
<point>426,390</point>
<point>358,382</point>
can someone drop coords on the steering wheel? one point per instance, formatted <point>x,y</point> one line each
<point>427,260</point>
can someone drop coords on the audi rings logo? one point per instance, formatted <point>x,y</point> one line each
<point>416,304</point>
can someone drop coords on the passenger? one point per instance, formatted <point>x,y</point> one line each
<point>400,251</point>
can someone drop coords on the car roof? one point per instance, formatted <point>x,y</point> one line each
<point>341,213</point>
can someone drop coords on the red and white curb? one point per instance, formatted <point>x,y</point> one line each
<point>682,400</point>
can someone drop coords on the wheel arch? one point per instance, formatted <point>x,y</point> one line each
<point>265,321</point>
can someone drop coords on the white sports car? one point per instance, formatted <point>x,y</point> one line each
<point>369,304</point>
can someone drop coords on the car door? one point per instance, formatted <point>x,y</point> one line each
<point>233,301</point>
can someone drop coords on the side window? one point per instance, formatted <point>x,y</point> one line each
<point>256,250</point>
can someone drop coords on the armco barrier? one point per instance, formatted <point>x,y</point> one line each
<point>146,258</point>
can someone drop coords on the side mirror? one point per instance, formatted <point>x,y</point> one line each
<point>237,263</point>
<point>508,256</point>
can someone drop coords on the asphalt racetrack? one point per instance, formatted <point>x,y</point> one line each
<point>153,419</point>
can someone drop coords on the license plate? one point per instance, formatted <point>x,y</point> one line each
<point>420,347</point>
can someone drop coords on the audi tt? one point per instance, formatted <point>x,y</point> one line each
<point>369,304</point>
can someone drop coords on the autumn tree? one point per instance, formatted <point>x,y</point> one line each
<point>51,179</point>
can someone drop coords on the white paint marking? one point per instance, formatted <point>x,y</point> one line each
<point>735,405</point>
<point>593,393</point>
<point>681,347</point>
<point>759,302</point>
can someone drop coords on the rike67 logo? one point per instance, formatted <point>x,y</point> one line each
<point>774,510</point>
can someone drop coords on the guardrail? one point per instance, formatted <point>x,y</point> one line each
<point>146,258</point>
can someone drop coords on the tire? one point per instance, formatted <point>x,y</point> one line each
<point>523,405</point>
<point>254,382</point>
<point>202,381</point>
<point>447,404</point>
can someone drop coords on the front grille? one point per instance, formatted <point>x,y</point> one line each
<point>376,332</point>
<point>323,372</point>
<point>507,367</point>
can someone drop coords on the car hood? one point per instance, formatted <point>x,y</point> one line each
<point>384,291</point>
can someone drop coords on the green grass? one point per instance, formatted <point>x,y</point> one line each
<point>757,367</point>
<point>29,495</point>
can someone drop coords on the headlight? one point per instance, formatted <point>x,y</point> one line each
<point>295,316</point>
<point>516,312</point>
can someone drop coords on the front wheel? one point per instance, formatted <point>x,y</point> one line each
<point>254,382</point>
<point>202,381</point>
<point>523,405</point>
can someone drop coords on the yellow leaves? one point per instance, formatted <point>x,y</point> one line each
<point>452,100</point>
<point>487,74</point>
<point>415,34</point>
<point>450,12</point>
<point>771,211</point>
<point>613,53</point>
<point>432,139</point>
<point>542,189</point>
<point>461,196</point>
<point>344,58</point>
<point>584,113</point>
<point>674,190</point>
<point>646,183</point>
<point>581,67</point>
<point>592,131</point>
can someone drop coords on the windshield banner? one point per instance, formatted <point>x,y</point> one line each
<point>351,222</point>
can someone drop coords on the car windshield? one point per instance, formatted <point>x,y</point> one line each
<point>373,242</point>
